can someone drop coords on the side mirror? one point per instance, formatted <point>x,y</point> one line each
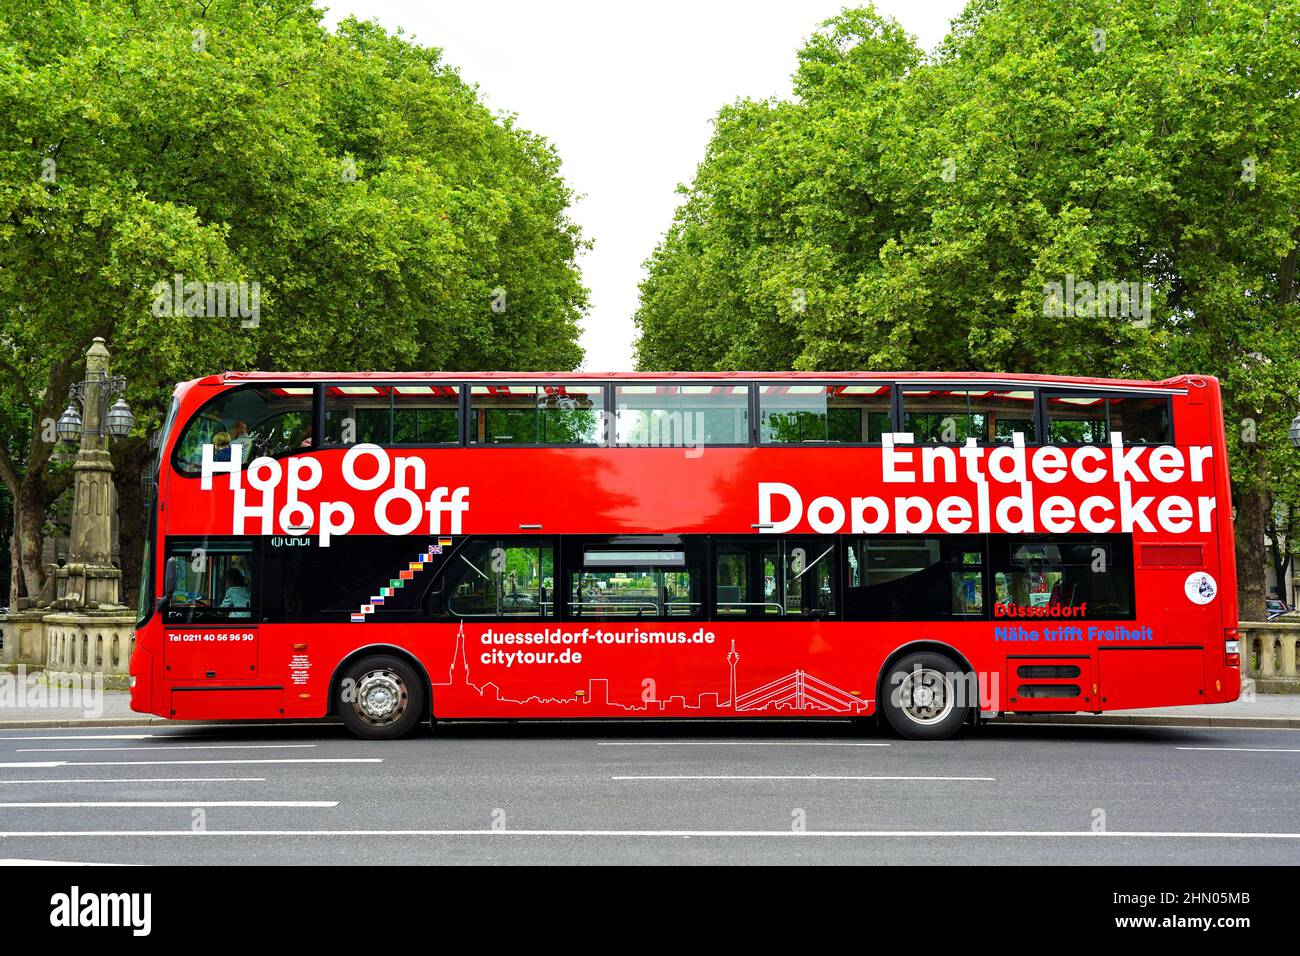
<point>170,574</point>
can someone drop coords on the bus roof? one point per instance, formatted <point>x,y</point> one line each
<point>1176,384</point>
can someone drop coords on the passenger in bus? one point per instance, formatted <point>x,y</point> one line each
<point>239,436</point>
<point>236,595</point>
<point>221,446</point>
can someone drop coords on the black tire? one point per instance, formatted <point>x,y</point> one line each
<point>934,682</point>
<point>381,697</point>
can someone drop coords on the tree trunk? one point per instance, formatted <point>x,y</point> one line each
<point>1249,527</point>
<point>37,490</point>
<point>130,460</point>
<point>29,517</point>
<point>15,566</point>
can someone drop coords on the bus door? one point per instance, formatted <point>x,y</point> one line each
<point>210,628</point>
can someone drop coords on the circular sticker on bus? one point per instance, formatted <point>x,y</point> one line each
<point>1200,587</point>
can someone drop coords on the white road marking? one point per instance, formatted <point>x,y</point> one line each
<point>4,783</point>
<point>1199,728</point>
<point>16,862</point>
<point>1251,750</point>
<point>790,777</point>
<point>735,743</point>
<point>855,834</point>
<point>159,747</point>
<point>45,764</point>
<point>89,804</point>
<point>92,737</point>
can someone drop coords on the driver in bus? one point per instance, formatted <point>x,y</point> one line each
<point>236,595</point>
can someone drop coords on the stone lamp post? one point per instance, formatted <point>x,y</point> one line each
<point>78,623</point>
<point>89,579</point>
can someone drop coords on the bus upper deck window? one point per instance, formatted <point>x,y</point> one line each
<point>1089,419</point>
<point>554,413</point>
<point>258,420</point>
<point>659,415</point>
<point>802,412</point>
<point>950,416</point>
<point>405,413</point>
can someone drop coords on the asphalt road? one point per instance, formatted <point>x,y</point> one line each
<point>807,792</point>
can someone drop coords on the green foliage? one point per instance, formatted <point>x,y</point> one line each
<point>354,176</point>
<point>907,212</point>
<point>382,208</point>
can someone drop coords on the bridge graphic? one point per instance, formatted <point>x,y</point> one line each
<point>797,692</point>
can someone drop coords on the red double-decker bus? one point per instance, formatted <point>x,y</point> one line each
<point>399,548</point>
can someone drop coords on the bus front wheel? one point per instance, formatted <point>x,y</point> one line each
<point>381,698</point>
<point>922,696</point>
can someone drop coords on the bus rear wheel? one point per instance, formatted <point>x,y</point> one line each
<point>922,696</point>
<point>381,698</point>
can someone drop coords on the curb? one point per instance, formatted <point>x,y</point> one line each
<point>73,722</point>
<point>1136,720</point>
<point>1094,720</point>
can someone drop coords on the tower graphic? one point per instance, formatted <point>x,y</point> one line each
<point>459,658</point>
<point>732,657</point>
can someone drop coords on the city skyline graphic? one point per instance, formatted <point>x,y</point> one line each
<point>795,692</point>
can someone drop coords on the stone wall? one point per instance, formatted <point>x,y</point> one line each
<point>1268,655</point>
<point>70,641</point>
<point>24,637</point>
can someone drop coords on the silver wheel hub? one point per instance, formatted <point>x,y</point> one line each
<point>381,697</point>
<point>926,696</point>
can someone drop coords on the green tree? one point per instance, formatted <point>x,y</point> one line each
<point>391,220</point>
<point>909,211</point>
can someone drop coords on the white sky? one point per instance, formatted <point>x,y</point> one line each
<point>626,93</point>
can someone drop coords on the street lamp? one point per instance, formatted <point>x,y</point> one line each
<point>93,396</point>
<point>120,419</point>
<point>68,427</point>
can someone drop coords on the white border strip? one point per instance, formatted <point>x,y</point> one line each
<point>727,834</point>
<point>92,804</point>
<point>796,777</point>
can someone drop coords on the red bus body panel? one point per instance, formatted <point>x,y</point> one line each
<point>715,668</point>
